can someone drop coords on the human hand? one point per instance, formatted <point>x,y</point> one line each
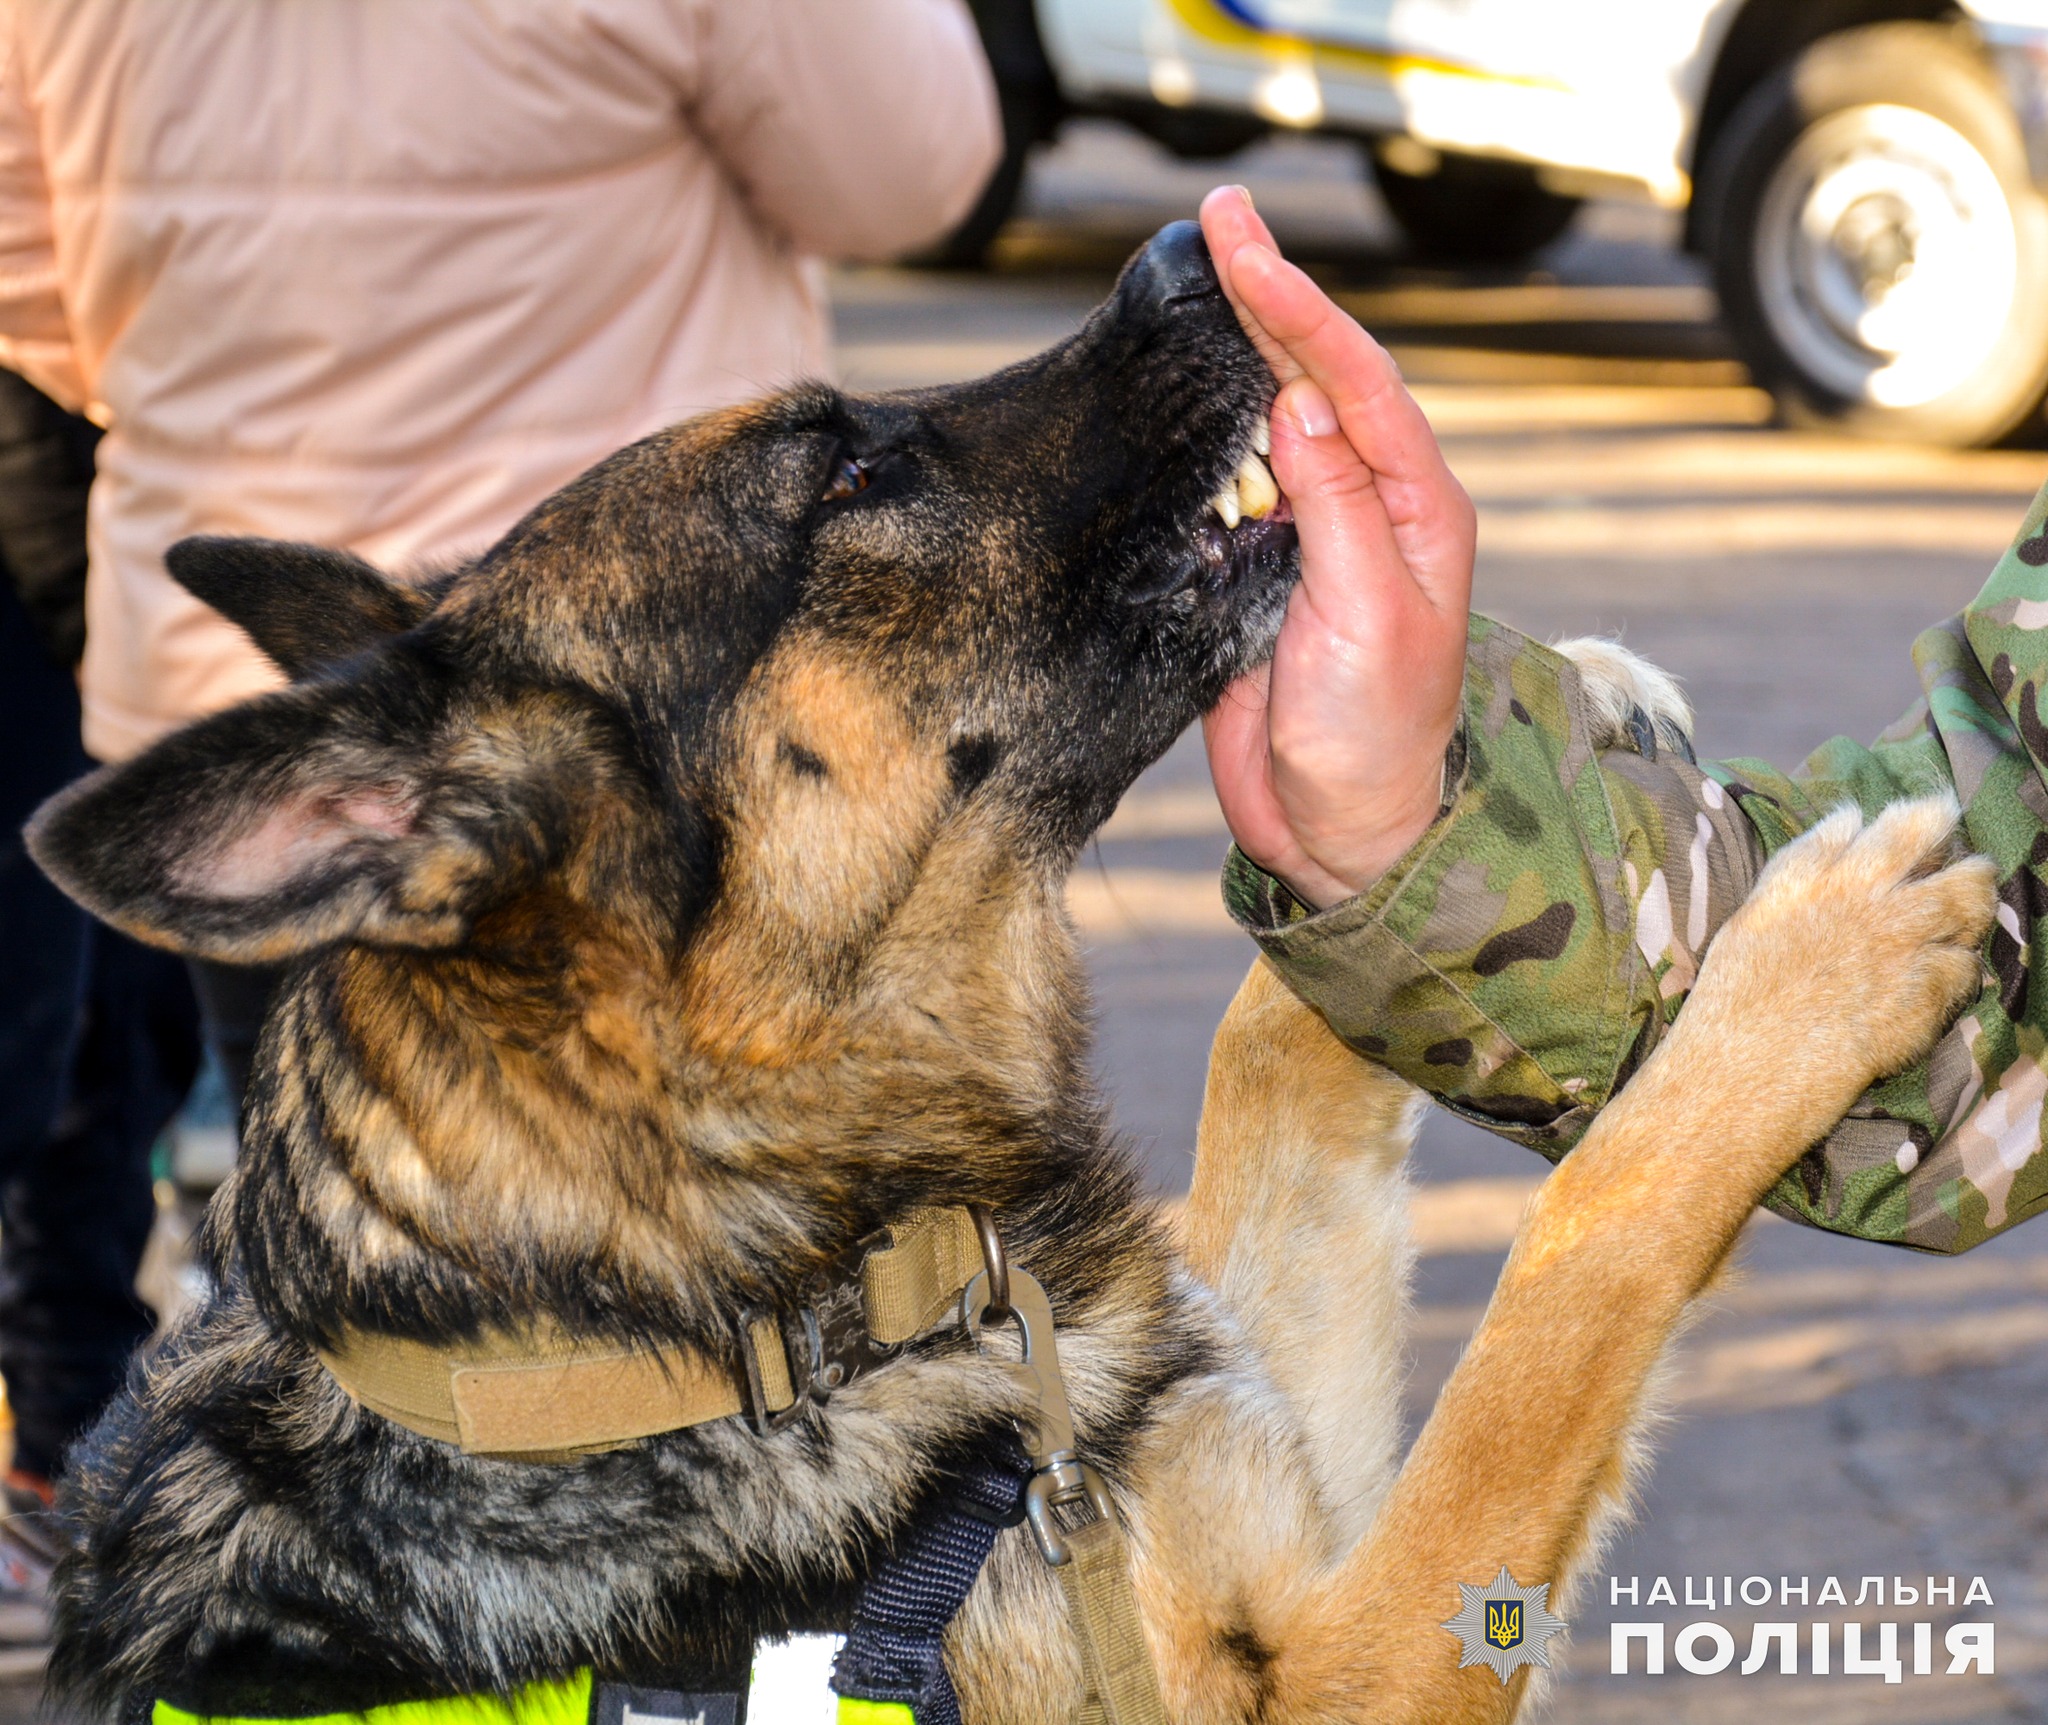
<point>1329,761</point>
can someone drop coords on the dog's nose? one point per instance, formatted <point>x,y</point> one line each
<point>1173,267</point>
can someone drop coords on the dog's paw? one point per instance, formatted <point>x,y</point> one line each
<point>1633,705</point>
<point>1857,945</point>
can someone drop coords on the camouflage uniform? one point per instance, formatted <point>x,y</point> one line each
<point>1522,960</point>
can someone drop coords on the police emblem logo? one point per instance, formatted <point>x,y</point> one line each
<point>1505,1625</point>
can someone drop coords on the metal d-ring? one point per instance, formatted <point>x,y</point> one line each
<point>1060,1479</point>
<point>997,1261</point>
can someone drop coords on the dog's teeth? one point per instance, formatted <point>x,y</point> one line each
<point>1225,505</point>
<point>1262,435</point>
<point>1255,488</point>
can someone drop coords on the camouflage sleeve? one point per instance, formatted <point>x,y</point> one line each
<point>1520,961</point>
<point>1528,953</point>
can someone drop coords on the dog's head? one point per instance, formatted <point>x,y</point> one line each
<point>778,657</point>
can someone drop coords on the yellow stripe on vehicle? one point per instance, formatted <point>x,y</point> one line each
<point>1211,23</point>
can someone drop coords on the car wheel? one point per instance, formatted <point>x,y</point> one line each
<point>1879,248</point>
<point>1469,209</point>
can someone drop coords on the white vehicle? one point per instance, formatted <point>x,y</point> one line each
<point>1865,177</point>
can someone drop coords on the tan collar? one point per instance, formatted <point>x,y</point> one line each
<point>538,1394</point>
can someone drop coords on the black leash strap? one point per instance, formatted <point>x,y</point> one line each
<point>893,1651</point>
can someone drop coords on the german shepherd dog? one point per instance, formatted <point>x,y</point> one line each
<point>672,899</point>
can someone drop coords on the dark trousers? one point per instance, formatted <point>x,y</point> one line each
<point>98,1046</point>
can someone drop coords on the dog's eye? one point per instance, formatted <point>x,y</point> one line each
<point>850,477</point>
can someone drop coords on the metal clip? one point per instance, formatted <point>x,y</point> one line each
<point>826,1339</point>
<point>1060,1479</point>
<point>996,1258</point>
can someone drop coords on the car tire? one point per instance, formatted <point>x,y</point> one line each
<point>1879,248</point>
<point>1471,209</point>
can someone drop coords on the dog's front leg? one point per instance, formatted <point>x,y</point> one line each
<point>1840,967</point>
<point>1298,1218</point>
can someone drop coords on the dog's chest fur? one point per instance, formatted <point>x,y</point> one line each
<point>254,1542</point>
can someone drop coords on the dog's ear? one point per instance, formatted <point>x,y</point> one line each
<point>373,807</point>
<point>304,605</point>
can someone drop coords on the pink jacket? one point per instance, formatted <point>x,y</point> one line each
<point>384,273</point>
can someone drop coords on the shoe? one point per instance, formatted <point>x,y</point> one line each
<point>29,1549</point>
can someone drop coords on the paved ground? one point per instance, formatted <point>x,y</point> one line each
<point>1847,1410</point>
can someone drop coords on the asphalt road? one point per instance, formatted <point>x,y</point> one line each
<point>1846,1409</point>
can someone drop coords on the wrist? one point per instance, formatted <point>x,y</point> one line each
<point>1316,887</point>
<point>1321,882</point>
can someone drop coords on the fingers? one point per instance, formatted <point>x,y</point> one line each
<point>1368,543</point>
<point>1229,223</point>
<point>1301,331</point>
<point>1307,411</point>
<point>1351,562</point>
<point>1374,407</point>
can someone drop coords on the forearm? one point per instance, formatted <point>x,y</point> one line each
<point>858,136</point>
